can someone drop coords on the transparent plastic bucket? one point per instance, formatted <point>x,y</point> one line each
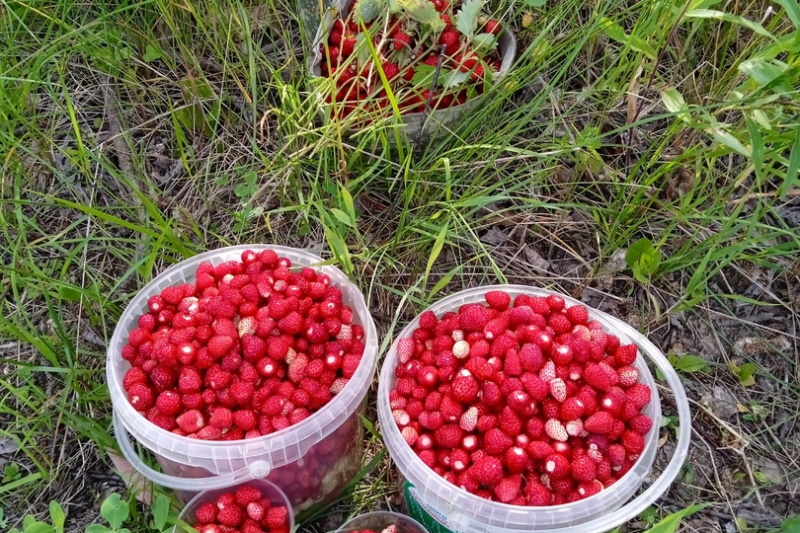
<point>379,520</point>
<point>309,460</point>
<point>268,490</point>
<point>430,497</point>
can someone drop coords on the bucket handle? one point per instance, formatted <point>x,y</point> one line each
<point>256,470</point>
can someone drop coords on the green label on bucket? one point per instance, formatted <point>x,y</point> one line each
<point>433,520</point>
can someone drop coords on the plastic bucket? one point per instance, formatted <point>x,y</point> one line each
<point>379,520</point>
<point>310,460</point>
<point>269,491</point>
<point>442,506</point>
<point>415,125</point>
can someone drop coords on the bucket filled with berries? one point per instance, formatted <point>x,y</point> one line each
<point>428,61</point>
<point>257,506</point>
<point>382,522</point>
<point>246,362</point>
<point>512,408</point>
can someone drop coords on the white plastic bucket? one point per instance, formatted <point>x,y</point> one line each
<point>378,520</point>
<point>309,460</point>
<point>442,506</point>
<point>269,491</point>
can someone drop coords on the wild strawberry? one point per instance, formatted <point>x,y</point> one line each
<point>231,516</point>
<point>556,430</point>
<point>559,321</point>
<point>469,420</point>
<point>472,317</point>
<point>449,38</point>
<point>583,469</point>
<point>390,69</point>
<point>641,424</point>
<point>132,376</point>
<point>597,377</point>
<point>600,423</point>
<point>516,460</point>
<point>632,442</point>
<point>557,466</point>
<point>461,349</point>
<point>141,396</point>
<point>219,345</point>
<point>448,436</point>
<point>555,302</point>
<point>548,372</point>
<point>277,517</point>
<point>169,403</point>
<point>508,488</point>
<point>628,375</point>
<point>538,495</point>
<point>639,395</point>
<point>221,417</point>
<point>487,471</point>
<point>509,423</point>
<point>496,442</point>
<point>572,409</point>
<point>206,513</point>
<point>246,494</point>
<point>625,355</point>
<point>350,364</point>
<point>616,455</point>
<point>558,389</point>
<point>465,388</point>
<point>191,421</point>
<point>578,314</point>
<point>492,27</point>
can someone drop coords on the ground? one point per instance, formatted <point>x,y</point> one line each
<point>140,133</point>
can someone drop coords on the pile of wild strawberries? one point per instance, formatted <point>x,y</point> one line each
<point>531,404</point>
<point>250,348</point>
<point>388,529</point>
<point>244,510</point>
<point>433,56</point>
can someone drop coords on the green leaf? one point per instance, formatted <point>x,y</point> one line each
<point>115,510</point>
<point>728,17</point>
<point>57,516</point>
<point>39,527</point>
<point>534,3</point>
<point>438,244</point>
<point>675,103</point>
<point>347,200</point>
<point>689,364</point>
<point>643,258</point>
<point>485,40</point>
<point>467,17</point>
<point>444,280</point>
<point>368,10</point>
<point>791,525</point>
<point>394,7</point>
<point>794,166</point>
<point>702,4</point>
<point>97,528</point>
<point>423,75</point>
<point>670,524</point>
<point>744,373</point>
<point>161,511</point>
<point>617,33</point>
<point>725,138</point>
<point>424,12</point>
<point>792,9</point>
<point>452,78</point>
<point>342,217</point>
<point>151,53</point>
<point>363,53</point>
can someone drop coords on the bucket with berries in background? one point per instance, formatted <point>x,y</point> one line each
<point>257,506</point>
<point>247,362</point>
<point>382,522</point>
<point>511,408</point>
<point>438,62</point>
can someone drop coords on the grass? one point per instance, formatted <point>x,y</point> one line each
<point>138,133</point>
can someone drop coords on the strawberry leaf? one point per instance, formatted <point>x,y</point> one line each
<point>363,53</point>
<point>394,7</point>
<point>467,17</point>
<point>368,10</point>
<point>423,76</point>
<point>424,12</point>
<point>453,78</point>
<point>485,40</point>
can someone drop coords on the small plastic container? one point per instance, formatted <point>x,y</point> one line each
<point>442,506</point>
<point>310,460</point>
<point>379,520</point>
<point>421,125</point>
<point>268,490</point>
